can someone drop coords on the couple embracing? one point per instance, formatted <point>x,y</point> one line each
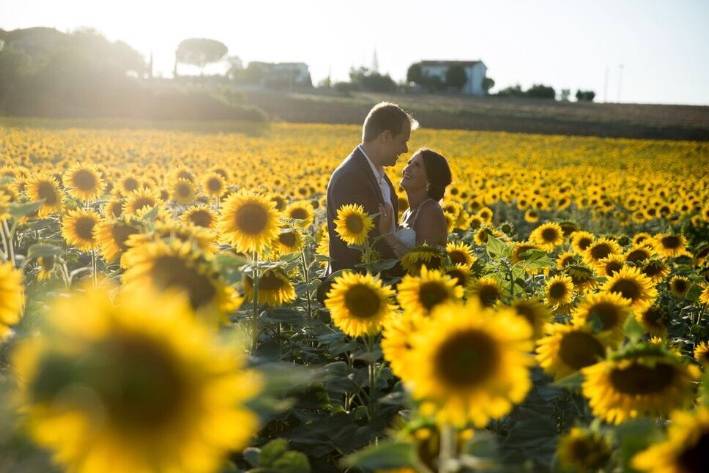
<point>360,179</point>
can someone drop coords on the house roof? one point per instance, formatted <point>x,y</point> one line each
<point>449,63</point>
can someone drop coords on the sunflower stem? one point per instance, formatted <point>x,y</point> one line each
<point>6,252</point>
<point>372,378</point>
<point>256,285</point>
<point>10,235</point>
<point>94,267</point>
<point>446,454</point>
<point>306,277</point>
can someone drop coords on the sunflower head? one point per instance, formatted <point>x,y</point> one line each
<point>583,450</point>
<point>565,349</point>
<point>604,313</point>
<point>249,221</point>
<point>46,189</point>
<point>112,236</point>
<point>12,297</point>
<point>460,253</point>
<point>419,295</point>
<point>610,265</point>
<point>352,224</point>
<point>182,191</point>
<point>301,212</point>
<point>421,256</point>
<point>83,182</point>
<point>548,236</point>
<point>290,240</point>
<point>274,288</point>
<point>633,286</point>
<point>670,246</point>
<point>78,228</point>
<point>534,312</point>
<point>359,303</point>
<point>559,290</point>
<point>679,286</point>
<point>214,185</point>
<point>581,240</point>
<point>200,216</point>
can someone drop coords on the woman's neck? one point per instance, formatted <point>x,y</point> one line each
<point>416,197</point>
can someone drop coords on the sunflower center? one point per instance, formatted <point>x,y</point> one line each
<point>84,228</point>
<point>527,311</point>
<point>84,180</point>
<point>47,191</point>
<point>354,223</point>
<point>431,294</point>
<point>584,243</point>
<point>637,256</point>
<point>287,239</point>
<point>173,272</point>
<point>201,218</point>
<point>120,233</point>
<point>251,219</point>
<point>270,281</point>
<point>467,358</point>
<point>549,235</point>
<point>580,349</point>
<point>488,295</point>
<point>613,267</point>
<point>557,290</point>
<point>362,301</point>
<point>653,268</point>
<point>299,214</point>
<point>459,276</point>
<point>680,285</point>
<point>654,317</point>
<point>184,190</point>
<point>671,242</point>
<point>606,313</point>
<point>600,251</point>
<point>214,184</point>
<point>639,379</point>
<point>458,257</point>
<point>143,201</point>
<point>138,382</point>
<point>130,184</point>
<point>627,288</point>
<point>695,459</point>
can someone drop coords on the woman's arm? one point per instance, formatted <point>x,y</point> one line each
<point>431,227</point>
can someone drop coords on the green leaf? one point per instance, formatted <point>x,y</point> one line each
<point>44,250</point>
<point>272,451</point>
<point>571,382</point>
<point>383,265</point>
<point>387,454</point>
<point>633,330</point>
<point>291,462</point>
<point>20,210</point>
<point>535,259</point>
<point>634,436</point>
<point>496,248</point>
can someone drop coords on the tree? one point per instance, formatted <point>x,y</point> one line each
<point>565,93</point>
<point>585,95</point>
<point>512,91</point>
<point>200,52</point>
<point>235,67</point>
<point>488,83</point>
<point>456,77</point>
<point>365,79</point>
<point>414,74</point>
<point>541,91</point>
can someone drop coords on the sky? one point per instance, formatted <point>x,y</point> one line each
<point>643,51</point>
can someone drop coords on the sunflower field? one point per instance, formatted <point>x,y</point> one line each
<point>164,307</point>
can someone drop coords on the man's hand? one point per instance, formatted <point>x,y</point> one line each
<point>386,219</point>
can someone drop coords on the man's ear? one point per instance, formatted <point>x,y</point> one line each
<point>385,136</point>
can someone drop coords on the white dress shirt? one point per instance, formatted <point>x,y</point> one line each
<point>383,185</point>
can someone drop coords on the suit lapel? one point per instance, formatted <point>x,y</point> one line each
<point>394,199</point>
<point>365,168</point>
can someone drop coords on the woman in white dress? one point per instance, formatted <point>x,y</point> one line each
<point>424,180</point>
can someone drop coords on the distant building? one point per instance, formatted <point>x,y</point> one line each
<point>283,74</point>
<point>475,72</point>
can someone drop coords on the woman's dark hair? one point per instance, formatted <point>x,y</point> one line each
<point>437,171</point>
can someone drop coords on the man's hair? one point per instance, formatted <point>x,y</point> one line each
<point>386,116</point>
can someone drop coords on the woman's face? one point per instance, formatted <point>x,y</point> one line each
<point>414,175</point>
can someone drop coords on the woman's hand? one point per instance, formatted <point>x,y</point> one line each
<point>386,219</point>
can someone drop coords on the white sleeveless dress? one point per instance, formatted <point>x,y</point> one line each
<point>406,234</point>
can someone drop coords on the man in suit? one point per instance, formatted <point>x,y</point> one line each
<point>360,178</point>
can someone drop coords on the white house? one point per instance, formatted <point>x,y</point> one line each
<point>475,72</point>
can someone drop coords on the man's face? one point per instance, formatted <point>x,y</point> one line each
<point>395,145</point>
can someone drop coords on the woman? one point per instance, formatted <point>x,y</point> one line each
<point>424,179</point>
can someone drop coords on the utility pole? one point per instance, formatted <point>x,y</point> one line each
<point>605,86</point>
<point>375,61</point>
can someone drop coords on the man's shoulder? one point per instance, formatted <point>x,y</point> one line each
<point>348,167</point>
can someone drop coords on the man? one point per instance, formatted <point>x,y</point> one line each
<point>360,178</point>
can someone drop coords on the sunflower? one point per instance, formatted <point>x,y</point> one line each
<point>170,230</point>
<point>701,353</point>
<point>78,228</point>
<point>176,266</point>
<point>599,250</point>
<point>679,286</point>
<point>548,236</point>
<point>249,221</point>
<point>642,238</point>
<point>112,236</point>
<point>274,288</point>
<point>531,216</point>
<point>358,303</point>
<point>139,200</point>
<point>288,241</point>
<point>536,314</point>
<point>83,182</point>
<point>634,286</point>
<point>655,320</point>
<point>559,290</point>
<point>396,343</point>
<point>45,267</point>
<point>460,253</point>
<point>214,185</point>
<point>610,265</point>
<point>684,449</point>
<point>583,450</point>
<point>566,349</point>
<point>353,224</point>
<point>416,258</point>
<point>128,184</point>
<point>12,297</point>
<point>638,254</point>
<point>182,191</point>
<point>604,313</point>
<point>581,240</point>
<point>487,290</point>
<point>200,216</point>
<point>519,249</point>
<point>704,295</point>
<point>45,188</point>
<point>641,382</point>
<point>567,258</point>
<point>472,363</point>
<point>462,275</point>
<point>141,377</point>
<point>419,295</point>
<point>656,270</point>
<point>669,246</point>
<point>114,208</point>
<point>301,212</point>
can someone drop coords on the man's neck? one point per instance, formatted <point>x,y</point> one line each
<point>372,156</point>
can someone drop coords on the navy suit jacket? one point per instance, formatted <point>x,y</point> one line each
<point>353,182</point>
